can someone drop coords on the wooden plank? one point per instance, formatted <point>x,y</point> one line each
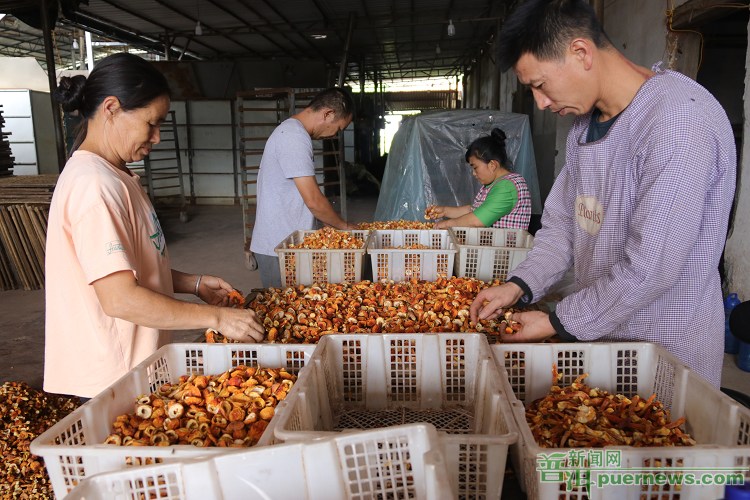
<point>7,233</point>
<point>43,213</point>
<point>37,243</point>
<point>39,221</point>
<point>19,190</point>
<point>24,232</point>
<point>7,278</point>
<point>32,266</point>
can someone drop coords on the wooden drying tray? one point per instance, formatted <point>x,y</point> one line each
<point>27,189</point>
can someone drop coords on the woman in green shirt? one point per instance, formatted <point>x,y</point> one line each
<point>503,200</point>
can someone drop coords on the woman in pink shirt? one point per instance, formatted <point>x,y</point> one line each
<point>109,282</point>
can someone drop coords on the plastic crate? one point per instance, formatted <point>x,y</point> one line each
<point>490,253</point>
<point>401,264</point>
<point>73,448</point>
<point>398,462</point>
<point>719,425</point>
<point>448,380</point>
<point>306,266</point>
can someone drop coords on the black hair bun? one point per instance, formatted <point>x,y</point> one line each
<point>498,135</point>
<point>69,93</point>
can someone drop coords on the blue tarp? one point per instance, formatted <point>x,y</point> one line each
<point>426,164</point>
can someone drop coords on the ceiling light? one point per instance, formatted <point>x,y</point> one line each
<point>318,36</point>
<point>198,28</point>
<point>451,28</point>
<point>437,49</point>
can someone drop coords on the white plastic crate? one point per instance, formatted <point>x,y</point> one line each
<point>397,462</point>
<point>448,380</point>
<point>490,253</point>
<point>74,447</point>
<point>719,425</point>
<point>399,264</point>
<point>305,266</point>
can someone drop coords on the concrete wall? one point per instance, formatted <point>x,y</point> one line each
<point>736,255</point>
<point>725,65</point>
<point>639,29</point>
<point>488,98</point>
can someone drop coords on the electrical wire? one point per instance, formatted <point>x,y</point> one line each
<point>670,16</point>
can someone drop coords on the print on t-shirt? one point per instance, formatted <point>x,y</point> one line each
<point>158,237</point>
<point>589,213</point>
<point>114,246</point>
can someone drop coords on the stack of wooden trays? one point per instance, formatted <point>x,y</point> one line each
<point>24,208</point>
<point>6,156</point>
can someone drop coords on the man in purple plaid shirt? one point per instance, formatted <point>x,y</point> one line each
<point>641,208</point>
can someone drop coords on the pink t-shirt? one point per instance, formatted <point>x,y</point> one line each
<point>101,222</point>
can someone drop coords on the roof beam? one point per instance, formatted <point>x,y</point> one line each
<point>164,27</point>
<point>368,23</point>
<point>249,26</point>
<point>255,12</point>
<point>89,22</point>
<point>693,13</point>
<point>298,31</point>
<point>211,28</point>
<point>15,50</point>
<point>327,21</point>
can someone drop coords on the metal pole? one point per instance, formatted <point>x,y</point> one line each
<point>191,153</point>
<point>166,46</point>
<point>342,69</point>
<point>235,156</point>
<point>342,151</point>
<point>496,74</point>
<point>89,52</point>
<point>73,49</point>
<point>52,76</point>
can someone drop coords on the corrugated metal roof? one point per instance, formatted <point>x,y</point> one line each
<point>391,38</point>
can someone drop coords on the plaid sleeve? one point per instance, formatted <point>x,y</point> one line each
<point>552,254</point>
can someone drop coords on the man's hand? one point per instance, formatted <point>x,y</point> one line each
<point>497,298</point>
<point>240,325</point>
<point>214,291</point>
<point>535,327</point>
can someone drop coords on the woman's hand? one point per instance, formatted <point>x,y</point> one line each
<point>240,324</point>
<point>213,290</point>
<point>434,212</point>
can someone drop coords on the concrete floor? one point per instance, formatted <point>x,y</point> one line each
<point>210,243</point>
